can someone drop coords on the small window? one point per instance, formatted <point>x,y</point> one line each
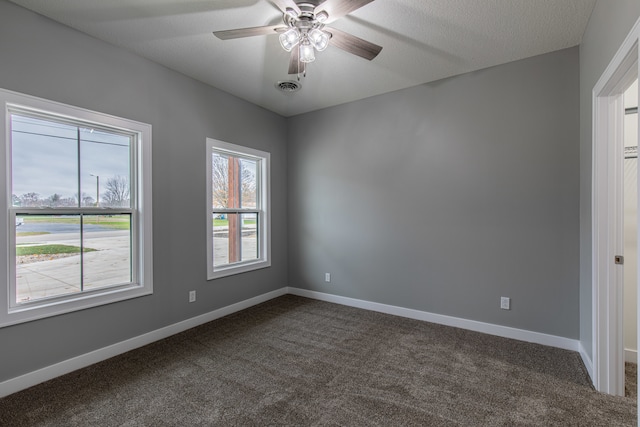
<point>238,222</point>
<point>79,208</point>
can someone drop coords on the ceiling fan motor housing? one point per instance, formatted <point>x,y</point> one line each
<point>306,20</point>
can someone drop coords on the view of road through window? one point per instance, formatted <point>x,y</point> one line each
<point>51,259</point>
<point>249,237</point>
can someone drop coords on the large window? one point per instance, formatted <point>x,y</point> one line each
<point>78,208</point>
<point>237,209</point>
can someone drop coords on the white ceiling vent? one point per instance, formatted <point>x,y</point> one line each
<point>288,86</point>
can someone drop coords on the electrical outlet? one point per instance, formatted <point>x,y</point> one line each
<point>192,296</point>
<point>327,277</point>
<point>505,303</point>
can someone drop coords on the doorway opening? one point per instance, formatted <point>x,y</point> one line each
<point>608,216</point>
<point>630,238</point>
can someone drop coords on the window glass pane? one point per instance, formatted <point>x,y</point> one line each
<point>48,259</point>
<point>220,239</point>
<point>47,256</point>
<point>110,262</point>
<point>249,223</point>
<point>234,182</point>
<point>220,180</point>
<point>631,130</point>
<point>249,185</point>
<point>44,160</point>
<point>104,163</point>
<point>235,238</point>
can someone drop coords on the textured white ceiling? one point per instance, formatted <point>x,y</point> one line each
<point>423,41</point>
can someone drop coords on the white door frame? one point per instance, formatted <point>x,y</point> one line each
<point>608,215</point>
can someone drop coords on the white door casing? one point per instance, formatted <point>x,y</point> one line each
<point>608,214</point>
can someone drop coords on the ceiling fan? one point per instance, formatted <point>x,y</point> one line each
<point>304,30</point>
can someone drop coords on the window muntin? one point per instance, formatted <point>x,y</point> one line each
<point>78,207</point>
<point>238,199</point>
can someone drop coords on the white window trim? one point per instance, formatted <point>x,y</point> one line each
<point>142,244</point>
<point>265,209</point>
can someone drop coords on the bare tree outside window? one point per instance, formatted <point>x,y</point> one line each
<point>29,200</point>
<point>248,183</point>
<point>85,199</point>
<point>220,180</point>
<point>117,192</point>
<point>54,200</point>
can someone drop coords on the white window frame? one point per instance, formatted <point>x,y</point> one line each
<point>141,217</point>
<point>263,209</point>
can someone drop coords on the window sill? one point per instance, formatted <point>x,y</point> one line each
<point>237,269</point>
<point>47,308</point>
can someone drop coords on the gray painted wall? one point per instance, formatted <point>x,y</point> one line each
<point>446,196</point>
<point>441,197</point>
<point>45,59</point>
<point>608,26</point>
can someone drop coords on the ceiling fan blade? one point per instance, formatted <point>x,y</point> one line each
<point>339,8</point>
<point>283,5</point>
<point>246,32</point>
<point>295,66</point>
<point>353,44</point>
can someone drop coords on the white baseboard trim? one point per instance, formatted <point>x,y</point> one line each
<point>30,379</point>
<point>41,375</point>
<point>630,356</point>
<point>472,325</point>
<point>587,362</point>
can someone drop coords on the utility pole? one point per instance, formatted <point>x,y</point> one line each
<point>97,193</point>
<point>97,189</point>
<point>235,228</point>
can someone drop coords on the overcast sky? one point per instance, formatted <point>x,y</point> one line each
<point>45,158</point>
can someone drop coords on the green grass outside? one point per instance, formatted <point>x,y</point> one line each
<point>224,222</point>
<point>119,222</point>
<point>50,250</point>
<point>119,225</point>
<point>31,233</point>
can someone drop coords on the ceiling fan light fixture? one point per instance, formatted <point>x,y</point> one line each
<point>322,16</point>
<point>319,39</point>
<point>306,52</point>
<point>289,39</point>
<point>291,12</point>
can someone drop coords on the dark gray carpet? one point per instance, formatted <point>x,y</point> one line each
<point>295,361</point>
<point>631,380</point>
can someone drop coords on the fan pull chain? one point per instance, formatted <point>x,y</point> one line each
<point>301,64</point>
<point>305,68</point>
